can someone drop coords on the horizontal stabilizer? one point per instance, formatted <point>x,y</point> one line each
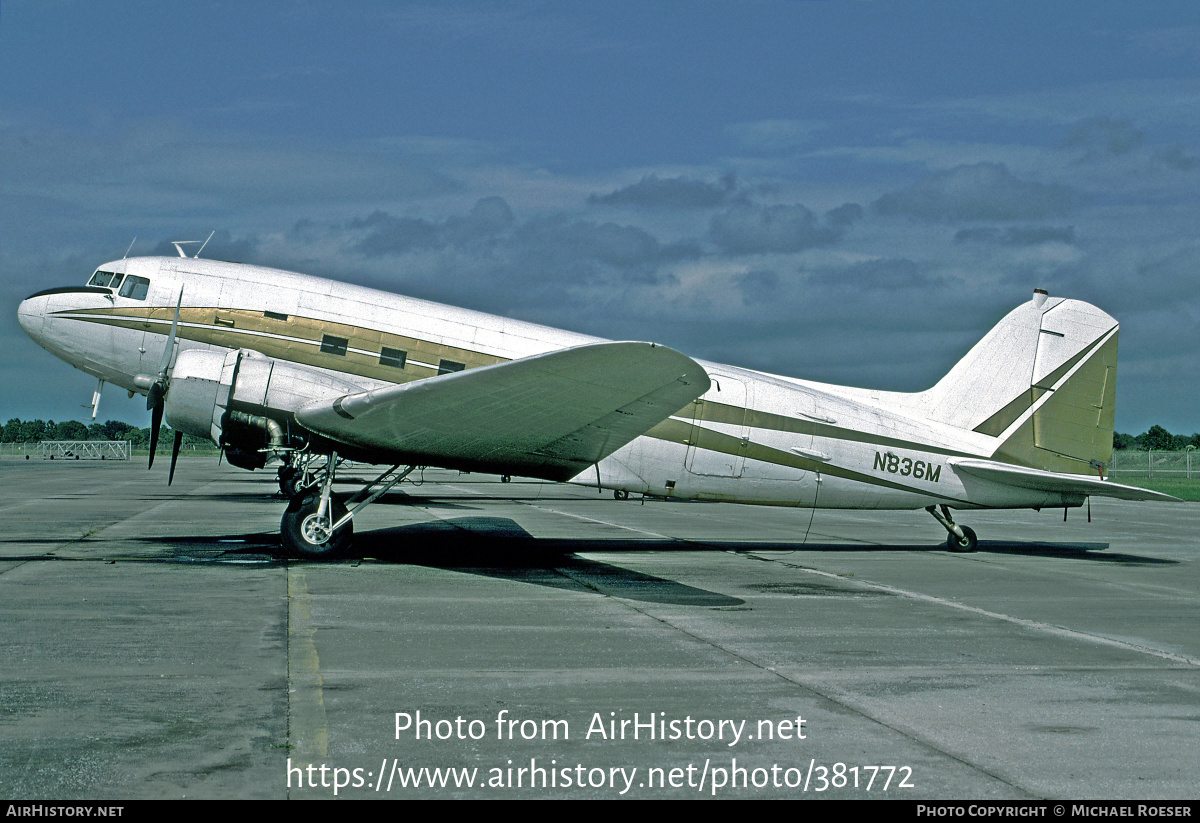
<point>551,415</point>
<point>1053,481</point>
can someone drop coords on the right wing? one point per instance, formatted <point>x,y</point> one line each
<point>551,415</point>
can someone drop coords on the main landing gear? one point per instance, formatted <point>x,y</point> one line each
<point>318,525</point>
<point>960,538</point>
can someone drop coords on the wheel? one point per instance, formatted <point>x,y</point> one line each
<point>506,478</point>
<point>306,535</point>
<point>289,482</point>
<point>621,494</point>
<point>967,543</point>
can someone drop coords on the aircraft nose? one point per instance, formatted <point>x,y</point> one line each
<point>31,314</point>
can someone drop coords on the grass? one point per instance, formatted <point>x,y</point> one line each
<point>1179,487</point>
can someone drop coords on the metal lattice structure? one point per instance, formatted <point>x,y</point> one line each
<point>85,449</point>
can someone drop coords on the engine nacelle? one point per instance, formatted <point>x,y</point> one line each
<point>237,398</point>
<point>191,398</point>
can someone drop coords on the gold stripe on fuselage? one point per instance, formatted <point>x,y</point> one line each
<point>297,339</point>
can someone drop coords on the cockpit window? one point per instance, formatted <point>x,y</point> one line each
<point>135,287</point>
<point>107,279</point>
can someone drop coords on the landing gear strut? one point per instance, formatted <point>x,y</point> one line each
<point>960,538</point>
<point>318,525</point>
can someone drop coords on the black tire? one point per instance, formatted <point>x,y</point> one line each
<point>289,482</point>
<point>968,542</point>
<point>506,478</point>
<point>300,543</point>
<point>621,494</point>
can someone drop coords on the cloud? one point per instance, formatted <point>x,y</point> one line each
<point>982,191</point>
<point>677,192</point>
<point>758,287</point>
<point>773,136</point>
<point>1178,159</point>
<point>1175,41</point>
<point>1016,235</point>
<point>1104,137</point>
<point>751,229</point>
<point>874,275</point>
<point>387,234</point>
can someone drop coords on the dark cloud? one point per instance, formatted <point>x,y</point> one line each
<point>749,229</point>
<point>1103,136</point>
<point>844,215</point>
<point>557,247</point>
<point>676,192</point>
<point>1177,158</point>
<point>759,287</point>
<point>548,269</point>
<point>983,191</point>
<point>873,275</point>
<point>387,234</point>
<point>1016,235</point>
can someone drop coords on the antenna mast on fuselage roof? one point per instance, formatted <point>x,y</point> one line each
<point>179,244</point>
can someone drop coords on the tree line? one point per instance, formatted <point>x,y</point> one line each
<point>1156,439</point>
<point>33,431</point>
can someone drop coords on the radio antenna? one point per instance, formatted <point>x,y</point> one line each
<point>179,244</point>
<point>205,243</point>
<point>128,250</point>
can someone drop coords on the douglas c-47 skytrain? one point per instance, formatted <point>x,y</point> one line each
<point>283,367</point>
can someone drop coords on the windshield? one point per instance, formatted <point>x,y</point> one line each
<point>108,279</point>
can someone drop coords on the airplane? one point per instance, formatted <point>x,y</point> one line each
<point>280,367</point>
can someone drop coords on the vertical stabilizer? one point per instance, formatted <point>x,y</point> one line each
<point>1043,382</point>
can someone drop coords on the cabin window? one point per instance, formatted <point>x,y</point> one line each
<point>135,288</point>
<point>274,315</point>
<point>334,345</point>
<point>448,366</point>
<point>392,357</point>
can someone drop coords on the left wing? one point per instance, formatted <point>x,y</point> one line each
<point>1045,481</point>
<point>551,415</point>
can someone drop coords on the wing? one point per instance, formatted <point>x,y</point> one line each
<point>551,415</point>
<point>1053,481</point>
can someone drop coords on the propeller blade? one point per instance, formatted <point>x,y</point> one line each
<point>165,363</point>
<point>156,416</point>
<point>154,396</point>
<point>174,455</point>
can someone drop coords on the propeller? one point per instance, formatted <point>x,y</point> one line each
<point>174,455</point>
<point>158,391</point>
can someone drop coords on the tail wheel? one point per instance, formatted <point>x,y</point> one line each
<point>307,535</point>
<point>967,543</point>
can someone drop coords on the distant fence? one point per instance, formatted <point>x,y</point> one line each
<point>1131,463</point>
<point>17,450</point>
<point>85,449</point>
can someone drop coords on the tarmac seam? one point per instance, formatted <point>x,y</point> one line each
<point>1048,628</point>
<point>306,720</point>
<point>909,734</point>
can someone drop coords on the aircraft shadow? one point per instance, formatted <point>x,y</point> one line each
<point>499,548</point>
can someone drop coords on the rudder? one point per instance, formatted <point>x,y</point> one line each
<point>1043,382</point>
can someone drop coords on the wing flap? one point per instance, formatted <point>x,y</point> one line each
<point>551,415</point>
<point>1039,480</point>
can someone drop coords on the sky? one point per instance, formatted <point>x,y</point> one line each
<point>850,192</point>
